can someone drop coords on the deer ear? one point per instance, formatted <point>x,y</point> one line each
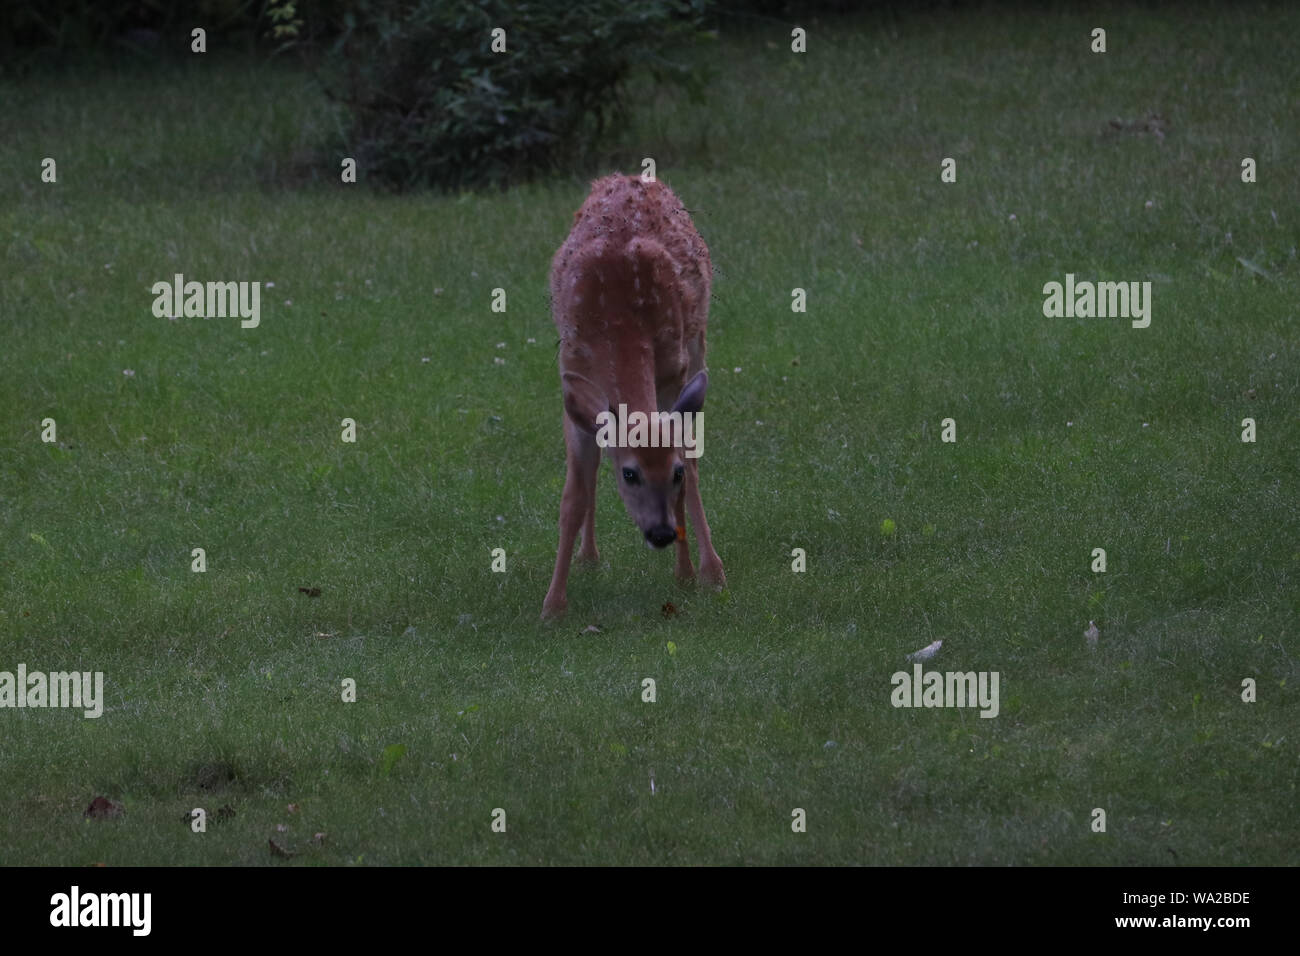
<point>692,397</point>
<point>583,401</point>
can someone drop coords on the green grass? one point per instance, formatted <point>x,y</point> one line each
<point>925,301</point>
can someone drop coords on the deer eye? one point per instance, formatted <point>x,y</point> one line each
<point>677,475</point>
<point>630,476</point>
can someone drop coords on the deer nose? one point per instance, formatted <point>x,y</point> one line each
<point>661,536</point>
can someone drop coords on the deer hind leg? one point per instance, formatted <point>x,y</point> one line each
<point>576,506</point>
<point>587,549</point>
<point>684,570</point>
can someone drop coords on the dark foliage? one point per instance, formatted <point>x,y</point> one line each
<point>431,103</point>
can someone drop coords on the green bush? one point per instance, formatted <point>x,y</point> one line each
<point>430,103</point>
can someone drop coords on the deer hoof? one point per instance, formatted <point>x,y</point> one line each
<point>713,577</point>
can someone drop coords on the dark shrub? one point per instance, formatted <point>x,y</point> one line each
<point>430,103</point>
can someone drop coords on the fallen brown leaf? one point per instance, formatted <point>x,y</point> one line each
<point>102,808</point>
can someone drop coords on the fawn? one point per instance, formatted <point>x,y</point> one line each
<point>630,298</point>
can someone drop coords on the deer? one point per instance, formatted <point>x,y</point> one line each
<point>630,293</point>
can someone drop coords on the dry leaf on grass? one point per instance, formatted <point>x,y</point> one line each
<point>102,808</point>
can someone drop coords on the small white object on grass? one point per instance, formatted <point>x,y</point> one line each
<point>1092,634</point>
<point>925,653</point>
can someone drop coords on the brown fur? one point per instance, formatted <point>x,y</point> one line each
<point>630,298</point>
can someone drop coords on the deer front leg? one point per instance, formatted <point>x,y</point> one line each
<point>711,572</point>
<point>576,507</point>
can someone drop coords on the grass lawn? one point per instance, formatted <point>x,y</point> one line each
<point>819,171</point>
